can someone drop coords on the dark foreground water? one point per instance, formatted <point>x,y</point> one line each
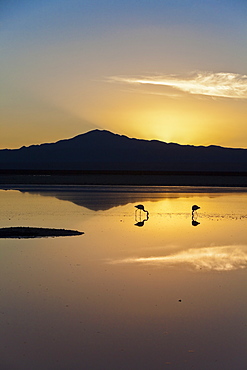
<point>136,291</point>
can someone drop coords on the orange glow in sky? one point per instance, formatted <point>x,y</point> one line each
<point>70,67</point>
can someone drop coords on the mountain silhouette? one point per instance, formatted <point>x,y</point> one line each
<point>102,150</point>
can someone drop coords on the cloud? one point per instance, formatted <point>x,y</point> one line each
<point>224,85</point>
<point>223,258</point>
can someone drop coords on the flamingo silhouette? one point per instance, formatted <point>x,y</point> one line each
<point>141,208</point>
<point>195,208</point>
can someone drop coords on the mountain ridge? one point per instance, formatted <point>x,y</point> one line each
<point>122,136</point>
<point>104,150</point>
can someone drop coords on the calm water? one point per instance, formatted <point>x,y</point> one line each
<point>164,293</point>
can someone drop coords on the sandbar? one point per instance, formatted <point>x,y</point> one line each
<point>21,232</point>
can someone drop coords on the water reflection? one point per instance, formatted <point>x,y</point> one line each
<point>126,297</point>
<point>102,198</point>
<point>98,198</point>
<point>194,222</point>
<point>141,222</point>
<point>223,258</point>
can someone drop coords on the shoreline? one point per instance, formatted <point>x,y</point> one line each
<point>132,178</point>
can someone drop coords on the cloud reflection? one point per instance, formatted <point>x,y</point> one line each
<point>222,84</point>
<point>223,258</point>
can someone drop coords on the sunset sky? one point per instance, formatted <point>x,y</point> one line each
<point>172,70</point>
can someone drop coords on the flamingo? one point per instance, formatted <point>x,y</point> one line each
<point>194,215</point>
<point>141,208</point>
<point>195,208</point>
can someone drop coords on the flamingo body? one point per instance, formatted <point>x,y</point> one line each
<point>141,207</point>
<point>195,207</point>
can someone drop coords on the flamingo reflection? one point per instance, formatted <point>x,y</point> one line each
<point>141,223</point>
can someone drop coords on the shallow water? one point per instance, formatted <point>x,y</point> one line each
<point>160,294</point>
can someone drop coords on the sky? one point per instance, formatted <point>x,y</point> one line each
<point>171,70</point>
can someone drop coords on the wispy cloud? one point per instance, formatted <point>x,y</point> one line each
<point>223,258</point>
<point>224,85</point>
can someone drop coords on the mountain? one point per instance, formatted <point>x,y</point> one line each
<point>103,150</point>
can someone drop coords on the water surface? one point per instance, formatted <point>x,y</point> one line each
<point>133,292</point>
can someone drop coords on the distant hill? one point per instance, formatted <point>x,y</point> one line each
<point>103,150</point>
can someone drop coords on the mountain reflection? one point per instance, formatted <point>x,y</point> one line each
<point>102,198</point>
<point>223,258</point>
<point>98,198</point>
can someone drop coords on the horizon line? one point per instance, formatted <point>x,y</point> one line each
<point>122,135</point>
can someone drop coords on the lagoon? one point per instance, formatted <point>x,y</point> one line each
<point>133,292</point>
